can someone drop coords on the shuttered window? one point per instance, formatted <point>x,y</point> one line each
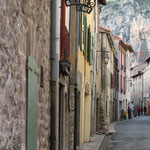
<point>82,23</point>
<point>112,82</point>
<point>31,106</point>
<point>85,35</point>
<point>90,51</point>
<point>124,85</point>
<point>83,32</point>
<point>80,30</point>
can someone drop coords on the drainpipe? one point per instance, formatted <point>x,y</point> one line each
<point>143,91</point>
<point>76,83</point>
<point>94,73</point>
<point>55,56</point>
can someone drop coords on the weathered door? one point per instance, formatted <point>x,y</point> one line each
<point>31,106</point>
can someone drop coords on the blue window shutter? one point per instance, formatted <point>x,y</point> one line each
<point>31,106</point>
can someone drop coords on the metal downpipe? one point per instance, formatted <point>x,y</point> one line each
<point>55,57</point>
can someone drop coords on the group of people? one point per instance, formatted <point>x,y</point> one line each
<point>133,112</point>
<point>136,111</point>
<point>140,110</point>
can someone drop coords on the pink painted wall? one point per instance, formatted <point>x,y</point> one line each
<point>122,66</point>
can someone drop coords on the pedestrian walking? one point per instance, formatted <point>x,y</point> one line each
<point>122,115</point>
<point>145,110</point>
<point>132,109</point>
<point>129,113</point>
<point>125,115</point>
<point>139,110</point>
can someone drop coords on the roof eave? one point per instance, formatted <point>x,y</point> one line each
<point>123,45</point>
<point>148,59</point>
<point>136,75</point>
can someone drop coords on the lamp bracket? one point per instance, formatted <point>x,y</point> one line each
<point>81,5</point>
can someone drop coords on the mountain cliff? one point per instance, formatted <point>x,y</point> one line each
<point>130,20</point>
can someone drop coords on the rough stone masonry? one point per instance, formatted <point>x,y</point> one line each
<point>24,31</point>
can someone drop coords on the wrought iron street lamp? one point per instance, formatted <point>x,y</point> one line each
<point>81,5</point>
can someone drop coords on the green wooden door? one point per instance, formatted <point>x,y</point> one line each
<point>31,107</point>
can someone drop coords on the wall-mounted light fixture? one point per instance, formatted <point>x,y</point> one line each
<point>106,58</point>
<point>81,5</point>
<point>129,80</point>
<point>106,55</point>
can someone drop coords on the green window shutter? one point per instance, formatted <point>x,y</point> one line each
<point>91,57</point>
<point>90,49</point>
<point>31,107</point>
<point>80,30</point>
<point>85,35</point>
<point>92,41</point>
<point>89,44</point>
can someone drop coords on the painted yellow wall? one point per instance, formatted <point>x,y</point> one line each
<point>85,112</point>
<point>85,104</point>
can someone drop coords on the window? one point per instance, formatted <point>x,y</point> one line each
<point>121,84</point>
<point>41,77</point>
<point>67,19</point>
<point>124,84</point>
<point>133,88</point>
<point>89,48</point>
<point>83,32</point>
<point>111,75</point>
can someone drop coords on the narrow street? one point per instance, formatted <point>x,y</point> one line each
<point>73,70</point>
<point>131,135</point>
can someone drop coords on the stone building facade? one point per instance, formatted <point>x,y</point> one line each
<point>98,104</point>
<point>107,62</point>
<point>72,73</point>
<point>146,85</point>
<point>128,73</point>
<point>68,82</point>
<point>115,85</point>
<point>140,84</point>
<point>137,81</point>
<point>123,66</point>
<point>24,32</point>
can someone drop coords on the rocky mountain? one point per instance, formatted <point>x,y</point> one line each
<point>130,20</point>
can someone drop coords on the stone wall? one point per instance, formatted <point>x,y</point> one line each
<point>99,99</point>
<point>72,73</point>
<point>24,30</point>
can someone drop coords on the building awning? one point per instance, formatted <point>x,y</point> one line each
<point>103,2</point>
